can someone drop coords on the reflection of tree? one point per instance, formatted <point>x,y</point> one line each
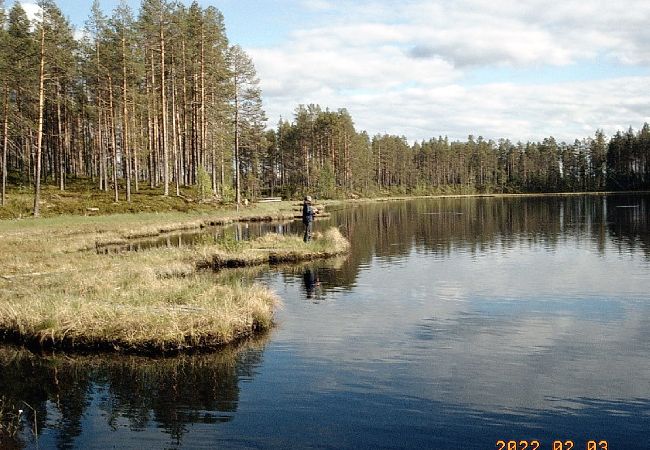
<point>24,380</point>
<point>173,392</point>
<point>442,226</point>
<point>628,222</point>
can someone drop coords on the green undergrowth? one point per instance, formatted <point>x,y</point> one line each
<point>82,199</point>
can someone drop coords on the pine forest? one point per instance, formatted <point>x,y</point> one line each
<point>160,100</point>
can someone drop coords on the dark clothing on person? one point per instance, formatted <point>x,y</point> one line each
<point>309,226</point>
<point>308,213</point>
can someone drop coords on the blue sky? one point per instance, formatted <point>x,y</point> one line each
<point>424,68</point>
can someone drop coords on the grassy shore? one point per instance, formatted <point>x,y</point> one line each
<point>55,292</point>
<point>81,198</point>
<point>277,249</point>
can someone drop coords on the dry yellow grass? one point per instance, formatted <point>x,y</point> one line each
<point>276,249</point>
<point>144,302</point>
<point>53,294</point>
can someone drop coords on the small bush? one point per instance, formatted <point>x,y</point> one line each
<point>204,184</point>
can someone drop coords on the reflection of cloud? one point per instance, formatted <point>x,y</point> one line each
<point>507,328</point>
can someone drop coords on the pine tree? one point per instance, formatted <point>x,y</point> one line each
<point>22,78</point>
<point>4,59</point>
<point>60,50</point>
<point>94,73</point>
<point>41,107</point>
<point>154,24</point>
<point>247,105</point>
<point>123,29</point>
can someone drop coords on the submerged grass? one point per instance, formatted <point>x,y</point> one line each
<point>54,296</point>
<point>9,420</point>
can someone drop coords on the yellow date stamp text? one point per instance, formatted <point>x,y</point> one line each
<point>557,444</point>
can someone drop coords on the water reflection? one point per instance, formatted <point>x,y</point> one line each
<point>237,232</point>
<point>487,317</point>
<point>442,226</point>
<point>311,280</point>
<point>479,226</point>
<point>59,393</point>
<point>451,324</point>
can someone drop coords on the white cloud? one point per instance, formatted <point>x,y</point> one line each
<point>32,10</point>
<point>317,5</point>
<point>402,69</point>
<point>571,28</point>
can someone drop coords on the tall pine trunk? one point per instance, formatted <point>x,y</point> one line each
<point>5,142</point>
<point>203,124</point>
<point>222,162</point>
<point>103,184</point>
<point>39,137</point>
<point>189,170</point>
<point>116,193</point>
<point>237,181</point>
<point>136,168</point>
<point>154,128</point>
<point>175,133</point>
<point>59,141</point>
<point>125,121</point>
<point>163,108</point>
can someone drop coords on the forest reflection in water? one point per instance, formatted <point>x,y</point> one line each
<point>441,225</point>
<point>390,231</point>
<point>479,316</point>
<point>60,394</point>
<point>476,224</point>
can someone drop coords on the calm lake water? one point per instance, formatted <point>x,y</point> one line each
<point>453,324</point>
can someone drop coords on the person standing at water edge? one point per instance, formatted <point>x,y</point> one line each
<point>308,213</point>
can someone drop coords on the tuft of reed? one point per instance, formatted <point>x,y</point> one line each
<point>276,249</point>
<point>9,419</point>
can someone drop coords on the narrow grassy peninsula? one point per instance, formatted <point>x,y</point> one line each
<point>56,293</point>
<point>276,249</point>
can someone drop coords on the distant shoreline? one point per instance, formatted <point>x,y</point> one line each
<point>495,195</point>
<point>71,203</point>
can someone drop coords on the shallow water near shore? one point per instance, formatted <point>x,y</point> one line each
<point>453,323</point>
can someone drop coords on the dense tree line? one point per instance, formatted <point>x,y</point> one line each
<point>163,99</point>
<point>320,151</point>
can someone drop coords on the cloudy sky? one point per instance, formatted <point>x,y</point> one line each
<point>423,68</point>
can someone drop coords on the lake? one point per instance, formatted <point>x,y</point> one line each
<point>453,324</point>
